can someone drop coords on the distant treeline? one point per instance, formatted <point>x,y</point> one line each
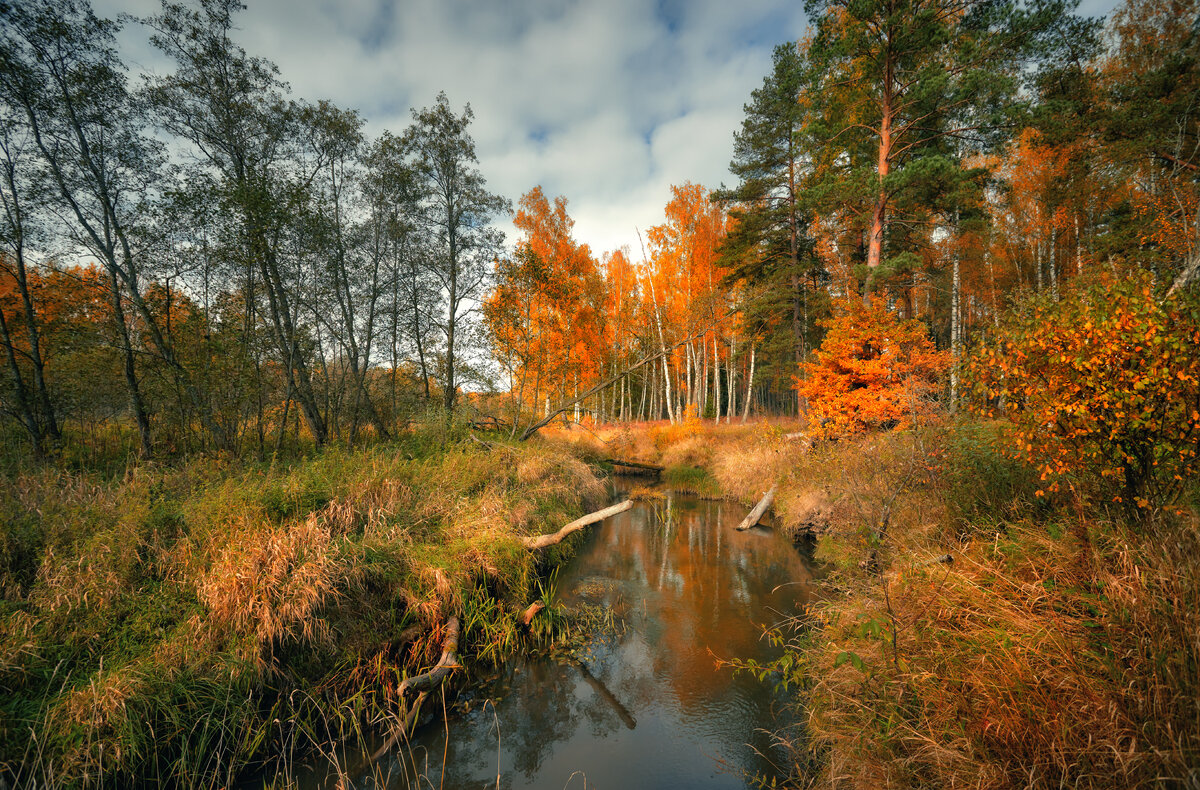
<point>265,273</point>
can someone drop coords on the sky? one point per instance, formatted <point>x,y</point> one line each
<point>606,102</point>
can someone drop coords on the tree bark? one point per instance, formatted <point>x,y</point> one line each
<point>759,509</point>
<point>883,167</point>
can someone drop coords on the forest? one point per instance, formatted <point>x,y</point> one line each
<point>280,400</point>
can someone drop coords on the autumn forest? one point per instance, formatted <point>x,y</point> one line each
<point>283,406</point>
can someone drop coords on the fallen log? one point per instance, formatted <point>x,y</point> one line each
<point>634,465</point>
<point>542,541</point>
<point>448,662</point>
<point>485,445</point>
<point>758,511</point>
<point>423,684</point>
<point>531,612</point>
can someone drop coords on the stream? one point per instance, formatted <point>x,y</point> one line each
<point>642,702</point>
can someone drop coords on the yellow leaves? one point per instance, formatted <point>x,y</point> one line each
<point>1114,400</point>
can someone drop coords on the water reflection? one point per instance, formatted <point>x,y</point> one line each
<point>647,707</point>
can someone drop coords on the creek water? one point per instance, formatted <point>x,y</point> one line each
<point>642,704</point>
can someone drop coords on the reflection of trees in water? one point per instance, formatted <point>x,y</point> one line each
<point>690,584</point>
<point>547,705</point>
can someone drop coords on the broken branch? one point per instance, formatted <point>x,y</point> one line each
<point>759,509</point>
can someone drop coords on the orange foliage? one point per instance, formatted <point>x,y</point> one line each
<point>873,370</point>
<point>1106,383</point>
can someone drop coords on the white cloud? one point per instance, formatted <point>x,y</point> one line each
<point>607,102</point>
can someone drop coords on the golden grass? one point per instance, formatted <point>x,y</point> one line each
<point>172,593</point>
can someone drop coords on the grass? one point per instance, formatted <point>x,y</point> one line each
<point>184,622</point>
<point>179,623</point>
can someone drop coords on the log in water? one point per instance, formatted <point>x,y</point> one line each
<point>642,706</point>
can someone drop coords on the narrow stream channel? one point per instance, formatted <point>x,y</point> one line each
<point>642,705</point>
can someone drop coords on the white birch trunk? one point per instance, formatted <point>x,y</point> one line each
<point>732,380</point>
<point>749,385</point>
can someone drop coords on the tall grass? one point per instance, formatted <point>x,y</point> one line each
<point>1059,646</point>
<point>180,622</point>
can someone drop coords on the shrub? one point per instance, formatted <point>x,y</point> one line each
<point>873,370</point>
<point>1102,385</point>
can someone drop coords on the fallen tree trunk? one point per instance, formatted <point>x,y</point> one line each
<point>423,684</point>
<point>634,465</point>
<point>531,612</point>
<point>542,541</point>
<point>759,509</point>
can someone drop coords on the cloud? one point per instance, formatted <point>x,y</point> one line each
<point>607,103</point>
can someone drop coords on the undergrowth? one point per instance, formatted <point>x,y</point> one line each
<point>181,622</point>
<point>974,634</point>
<point>971,632</point>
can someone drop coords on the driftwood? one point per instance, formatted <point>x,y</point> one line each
<point>423,684</point>
<point>759,509</point>
<point>531,612</point>
<point>634,465</point>
<point>542,541</point>
<point>448,662</point>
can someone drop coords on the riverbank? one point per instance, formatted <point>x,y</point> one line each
<point>183,622</point>
<point>971,632</point>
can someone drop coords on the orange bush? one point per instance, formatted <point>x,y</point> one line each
<point>1104,383</point>
<point>873,370</point>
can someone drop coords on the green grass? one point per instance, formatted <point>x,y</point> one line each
<point>160,623</point>
<point>693,480</point>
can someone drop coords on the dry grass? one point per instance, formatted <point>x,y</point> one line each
<point>1059,648</point>
<point>213,592</point>
<point>1048,653</point>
